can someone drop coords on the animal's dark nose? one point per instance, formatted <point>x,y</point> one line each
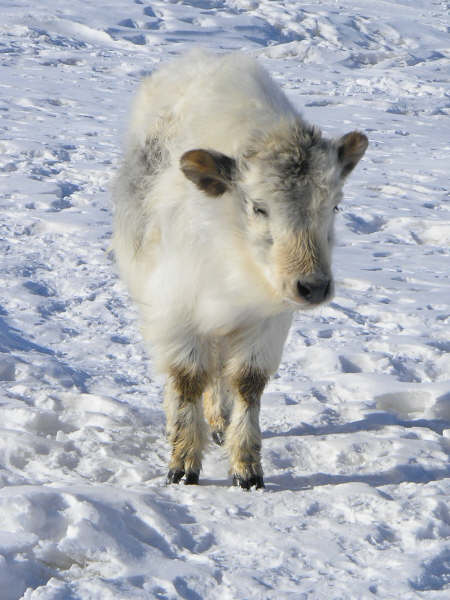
<point>314,292</point>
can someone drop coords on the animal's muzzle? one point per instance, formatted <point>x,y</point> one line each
<point>314,292</point>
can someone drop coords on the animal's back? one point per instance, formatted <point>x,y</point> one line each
<point>207,100</point>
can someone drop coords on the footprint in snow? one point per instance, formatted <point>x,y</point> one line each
<point>360,225</point>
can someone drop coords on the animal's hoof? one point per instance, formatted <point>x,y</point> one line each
<point>218,437</point>
<point>174,476</point>
<point>191,478</point>
<point>246,484</point>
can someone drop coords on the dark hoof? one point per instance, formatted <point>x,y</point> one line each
<point>191,478</point>
<point>177,476</point>
<point>218,437</point>
<point>174,476</point>
<point>246,484</point>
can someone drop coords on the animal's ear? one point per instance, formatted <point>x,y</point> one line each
<point>212,172</point>
<point>351,148</point>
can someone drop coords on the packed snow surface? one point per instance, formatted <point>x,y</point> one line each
<point>356,425</point>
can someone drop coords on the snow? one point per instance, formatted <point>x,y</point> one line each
<point>356,425</point>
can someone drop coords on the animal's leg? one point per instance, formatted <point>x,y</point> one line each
<point>254,355</point>
<point>217,409</point>
<point>243,438</point>
<point>186,427</point>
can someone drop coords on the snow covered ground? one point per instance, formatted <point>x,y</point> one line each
<point>356,425</point>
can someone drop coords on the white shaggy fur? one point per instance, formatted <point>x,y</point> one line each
<point>216,276</point>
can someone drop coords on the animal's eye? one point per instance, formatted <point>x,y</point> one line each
<point>260,210</point>
<point>336,209</point>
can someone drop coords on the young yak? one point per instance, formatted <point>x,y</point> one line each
<point>224,211</point>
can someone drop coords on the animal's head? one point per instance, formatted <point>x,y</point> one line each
<point>289,183</point>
